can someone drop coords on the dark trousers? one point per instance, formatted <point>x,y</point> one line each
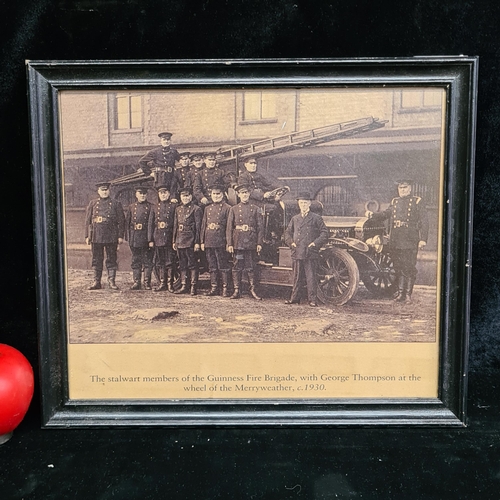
<point>305,271</point>
<point>164,256</point>
<point>217,259</point>
<point>142,257</point>
<point>405,261</point>
<point>98,255</point>
<point>187,259</point>
<point>244,260</point>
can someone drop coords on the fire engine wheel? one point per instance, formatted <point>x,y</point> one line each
<point>338,277</point>
<point>381,282</point>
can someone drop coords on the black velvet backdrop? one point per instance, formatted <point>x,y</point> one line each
<point>250,463</point>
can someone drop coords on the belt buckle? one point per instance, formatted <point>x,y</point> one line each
<point>162,225</point>
<point>245,227</point>
<point>138,227</point>
<point>397,223</point>
<point>99,219</point>
<point>181,227</point>
<point>212,225</point>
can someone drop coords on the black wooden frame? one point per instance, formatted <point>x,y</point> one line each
<point>457,74</point>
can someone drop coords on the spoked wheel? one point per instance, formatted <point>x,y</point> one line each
<point>381,282</point>
<point>338,277</point>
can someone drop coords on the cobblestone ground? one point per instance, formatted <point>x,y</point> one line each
<point>107,316</point>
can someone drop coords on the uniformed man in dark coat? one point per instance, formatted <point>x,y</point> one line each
<point>104,231</point>
<point>213,240</point>
<point>160,163</point>
<point>184,173</point>
<point>244,236</point>
<point>305,235</point>
<point>187,227</point>
<point>137,221</point>
<point>160,236</point>
<point>208,176</point>
<point>408,232</point>
<point>261,189</point>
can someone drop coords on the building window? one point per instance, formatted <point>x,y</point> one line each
<point>127,111</point>
<point>259,106</point>
<point>421,98</point>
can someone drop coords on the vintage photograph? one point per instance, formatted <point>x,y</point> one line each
<point>272,215</point>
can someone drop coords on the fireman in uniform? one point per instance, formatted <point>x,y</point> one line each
<point>261,188</point>
<point>408,232</point>
<point>264,194</point>
<point>183,173</point>
<point>160,163</point>
<point>160,234</point>
<point>244,236</point>
<point>137,220</point>
<point>210,175</point>
<point>186,239</point>
<point>213,240</point>
<point>305,235</point>
<point>104,228</point>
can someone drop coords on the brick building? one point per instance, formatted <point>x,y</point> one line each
<point>105,133</point>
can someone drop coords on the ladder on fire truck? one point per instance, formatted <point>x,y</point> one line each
<point>281,144</point>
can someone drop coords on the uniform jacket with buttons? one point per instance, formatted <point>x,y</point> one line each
<point>303,231</point>
<point>214,224</point>
<point>187,225</point>
<point>163,159</point>
<point>257,183</point>
<point>408,221</point>
<point>104,221</point>
<point>161,223</point>
<point>205,179</point>
<point>136,221</point>
<point>185,177</point>
<point>245,226</point>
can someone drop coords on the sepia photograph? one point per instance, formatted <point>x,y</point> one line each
<point>262,215</point>
<point>224,241</point>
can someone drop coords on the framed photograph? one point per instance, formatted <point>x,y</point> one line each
<point>253,242</point>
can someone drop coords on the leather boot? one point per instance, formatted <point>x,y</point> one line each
<point>170,279</point>
<point>399,288</point>
<point>251,282</point>
<point>111,279</point>
<point>147,278</point>
<point>214,286</point>
<point>136,273</point>
<point>163,282</point>
<point>183,288</point>
<point>237,285</point>
<point>409,290</point>
<point>225,284</point>
<point>96,284</point>
<point>402,289</point>
<point>194,281</point>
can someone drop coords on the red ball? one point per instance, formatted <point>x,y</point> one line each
<point>16,388</point>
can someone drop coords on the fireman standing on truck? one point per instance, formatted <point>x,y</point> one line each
<point>160,163</point>
<point>305,235</point>
<point>408,232</point>
<point>104,228</point>
<point>208,176</point>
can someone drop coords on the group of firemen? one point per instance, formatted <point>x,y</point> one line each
<point>192,218</point>
<point>191,215</point>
